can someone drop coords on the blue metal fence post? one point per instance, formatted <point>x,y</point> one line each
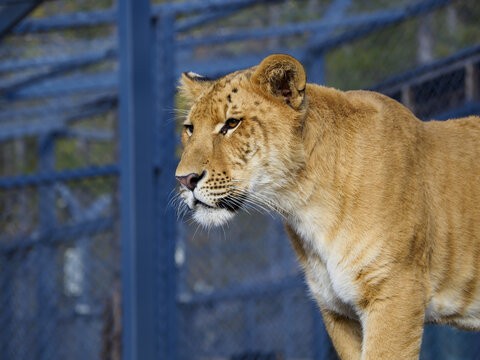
<point>139,255</point>
<point>46,286</point>
<point>166,142</point>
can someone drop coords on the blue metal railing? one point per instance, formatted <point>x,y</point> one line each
<point>363,24</point>
<point>13,13</point>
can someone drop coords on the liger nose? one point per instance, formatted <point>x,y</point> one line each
<point>190,180</point>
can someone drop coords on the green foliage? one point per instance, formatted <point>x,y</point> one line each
<point>375,57</point>
<point>456,27</point>
<point>392,50</point>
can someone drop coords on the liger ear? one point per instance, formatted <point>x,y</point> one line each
<point>192,85</point>
<point>283,77</point>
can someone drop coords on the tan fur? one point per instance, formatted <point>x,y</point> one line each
<point>382,209</point>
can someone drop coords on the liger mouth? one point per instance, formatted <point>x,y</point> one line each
<point>201,203</point>
<point>229,202</point>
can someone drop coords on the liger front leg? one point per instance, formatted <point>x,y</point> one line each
<point>393,320</point>
<point>346,335</point>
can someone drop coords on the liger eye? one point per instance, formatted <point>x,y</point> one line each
<point>189,129</point>
<point>229,125</point>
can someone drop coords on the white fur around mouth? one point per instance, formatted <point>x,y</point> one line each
<point>205,214</point>
<point>209,217</point>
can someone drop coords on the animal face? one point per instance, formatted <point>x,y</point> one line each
<point>240,138</point>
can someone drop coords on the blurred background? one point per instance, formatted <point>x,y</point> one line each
<point>94,263</point>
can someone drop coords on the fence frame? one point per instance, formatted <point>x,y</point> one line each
<point>146,88</point>
<point>141,248</point>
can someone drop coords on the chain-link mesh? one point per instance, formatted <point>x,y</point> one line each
<point>59,239</point>
<point>240,291</point>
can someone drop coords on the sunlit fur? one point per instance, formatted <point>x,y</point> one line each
<point>383,210</point>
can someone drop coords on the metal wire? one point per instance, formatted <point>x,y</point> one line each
<point>239,291</point>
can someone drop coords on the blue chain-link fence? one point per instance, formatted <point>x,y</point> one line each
<point>90,250</point>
